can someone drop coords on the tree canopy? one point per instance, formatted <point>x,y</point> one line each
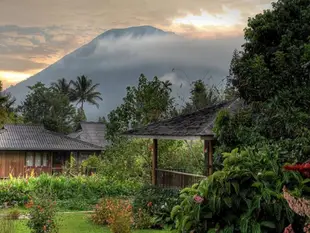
<point>276,54</point>
<point>44,105</point>
<point>150,101</point>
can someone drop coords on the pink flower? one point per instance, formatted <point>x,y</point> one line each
<point>198,199</point>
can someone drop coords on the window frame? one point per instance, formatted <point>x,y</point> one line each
<point>34,155</point>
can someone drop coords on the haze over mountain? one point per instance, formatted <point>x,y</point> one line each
<point>116,58</point>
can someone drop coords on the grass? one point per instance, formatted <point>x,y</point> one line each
<point>77,223</point>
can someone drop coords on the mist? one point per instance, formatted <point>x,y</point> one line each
<point>116,62</point>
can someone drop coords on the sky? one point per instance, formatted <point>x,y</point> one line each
<point>35,34</point>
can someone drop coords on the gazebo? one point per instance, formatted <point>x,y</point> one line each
<point>197,125</point>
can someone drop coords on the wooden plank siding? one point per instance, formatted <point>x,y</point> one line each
<point>12,162</point>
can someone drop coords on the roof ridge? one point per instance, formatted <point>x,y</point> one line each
<point>73,139</point>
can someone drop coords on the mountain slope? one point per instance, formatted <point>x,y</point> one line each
<point>116,58</point>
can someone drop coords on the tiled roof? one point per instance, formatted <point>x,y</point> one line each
<point>92,132</point>
<point>36,137</point>
<point>193,125</point>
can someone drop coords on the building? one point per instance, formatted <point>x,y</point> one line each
<point>27,148</point>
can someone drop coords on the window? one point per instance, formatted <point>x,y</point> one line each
<point>29,159</point>
<point>45,159</point>
<point>37,159</point>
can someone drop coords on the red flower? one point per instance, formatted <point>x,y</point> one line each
<point>289,229</point>
<point>149,204</point>
<point>198,199</point>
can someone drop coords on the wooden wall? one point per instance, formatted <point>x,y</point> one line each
<point>12,162</point>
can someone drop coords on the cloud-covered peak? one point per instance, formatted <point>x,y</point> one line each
<point>134,32</point>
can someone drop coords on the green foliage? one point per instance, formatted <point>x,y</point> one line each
<point>45,106</point>
<point>131,159</point>
<point>245,196</point>
<point>201,96</point>
<point>84,91</point>
<point>156,202</point>
<point>142,219</point>
<point>6,225</point>
<point>276,52</point>
<point>42,211</point>
<point>71,193</point>
<point>148,102</point>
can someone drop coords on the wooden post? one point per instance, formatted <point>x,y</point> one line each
<point>210,157</point>
<point>206,157</point>
<point>208,152</point>
<point>154,162</point>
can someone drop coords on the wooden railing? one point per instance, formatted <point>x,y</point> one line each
<point>176,179</point>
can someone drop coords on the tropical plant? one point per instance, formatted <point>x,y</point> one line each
<point>245,196</point>
<point>62,86</point>
<point>156,202</point>
<point>298,197</point>
<point>84,91</point>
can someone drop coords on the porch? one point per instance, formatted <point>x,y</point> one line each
<point>193,126</point>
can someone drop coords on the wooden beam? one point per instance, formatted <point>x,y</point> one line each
<point>210,137</point>
<point>154,161</point>
<point>210,157</point>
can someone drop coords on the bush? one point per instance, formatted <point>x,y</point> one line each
<point>142,219</point>
<point>245,196</point>
<point>103,211</point>
<point>120,219</point>
<point>116,213</point>
<point>74,193</point>
<point>156,202</point>
<point>42,211</point>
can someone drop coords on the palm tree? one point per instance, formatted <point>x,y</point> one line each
<point>84,91</point>
<point>62,86</point>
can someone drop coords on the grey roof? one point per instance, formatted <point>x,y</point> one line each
<point>92,132</point>
<point>36,137</point>
<point>194,125</point>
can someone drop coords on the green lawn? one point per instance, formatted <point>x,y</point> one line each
<point>77,223</point>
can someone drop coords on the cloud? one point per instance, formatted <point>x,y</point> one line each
<point>117,13</point>
<point>41,32</point>
<point>116,63</point>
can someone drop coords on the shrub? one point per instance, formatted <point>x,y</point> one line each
<point>245,196</point>
<point>120,220</point>
<point>156,202</point>
<point>117,213</point>
<point>103,211</point>
<point>74,193</point>
<point>42,211</point>
<point>142,219</point>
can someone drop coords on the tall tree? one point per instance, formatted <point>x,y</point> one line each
<point>62,86</point>
<point>84,91</point>
<point>46,106</point>
<point>7,109</point>
<point>201,96</point>
<point>150,101</point>
<point>276,52</point>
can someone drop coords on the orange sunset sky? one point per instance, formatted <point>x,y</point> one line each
<point>35,34</point>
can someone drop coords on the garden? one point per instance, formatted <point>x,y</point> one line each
<point>261,178</point>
